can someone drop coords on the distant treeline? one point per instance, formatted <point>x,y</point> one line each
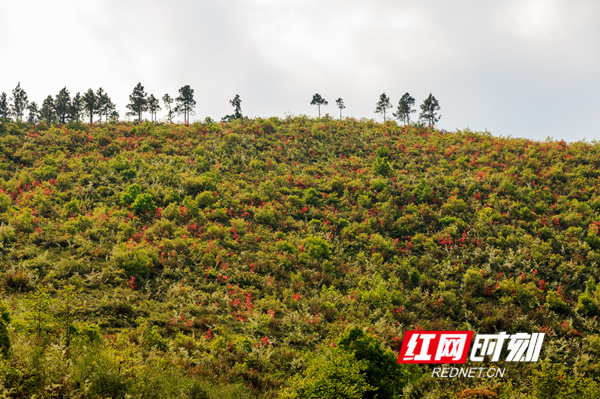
<point>62,108</point>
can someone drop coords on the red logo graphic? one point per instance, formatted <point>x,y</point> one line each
<point>435,347</point>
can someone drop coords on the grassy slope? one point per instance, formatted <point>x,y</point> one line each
<point>266,239</point>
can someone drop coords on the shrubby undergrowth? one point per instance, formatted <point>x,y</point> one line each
<point>264,257</point>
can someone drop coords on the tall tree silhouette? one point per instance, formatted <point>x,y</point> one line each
<point>90,104</point>
<point>4,108</point>
<point>76,107</point>
<point>48,112</point>
<point>185,102</point>
<point>428,110</point>
<point>341,106</point>
<point>104,104</point>
<point>237,109</point>
<point>62,105</point>
<point>33,116</point>
<point>168,100</point>
<point>318,101</point>
<point>19,102</point>
<point>383,105</point>
<point>153,106</point>
<point>405,108</point>
<point>138,102</point>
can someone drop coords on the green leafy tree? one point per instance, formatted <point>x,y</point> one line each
<point>48,112</point>
<point>317,248</point>
<point>136,262</point>
<point>382,105</point>
<point>383,372</point>
<point>62,105</point>
<point>129,196</point>
<point>39,317</point>
<point>381,166</point>
<point>237,106</point>
<point>237,113</point>
<point>76,107</point>
<point>90,103</point>
<point>185,103</point>
<point>112,114</point>
<point>336,375</point>
<point>110,111</point>
<point>341,106</point>
<point>106,108</point>
<point>138,102</point>
<point>589,300</point>
<point>67,306</point>
<point>143,204</point>
<point>34,113</point>
<point>168,101</point>
<point>318,101</point>
<point>4,108</point>
<point>19,102</point>
<point>405,108</point>
<point>429,110</point>
<point>153,107</point>
<point>474,282</point>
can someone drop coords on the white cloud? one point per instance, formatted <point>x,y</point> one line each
<point>511,67</point>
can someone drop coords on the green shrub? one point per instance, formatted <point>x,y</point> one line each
<point>311,196</point>
<point>100,372</point>
<point>266,215</point>
<point>4,336</point>
<point>588,302</point>
<point>172,211</point>
<point>317,248</point>
<point>143,204</point>
<point>335,375</point>
<point>378,184</point>
<point>195,185</point>
<point>72,207</point>
<point>205,199</point>
<point>381,167</point>
<point>556,304</point>
<point>382,370</point>
<point>295,201</point>
<point>129,196</point>
<point>136,262</point>
<point>267,190</point>
<point>5,202</point>
<point>474,282</point>
<point>7,234</point>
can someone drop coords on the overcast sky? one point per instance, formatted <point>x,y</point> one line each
<point>522,68</point>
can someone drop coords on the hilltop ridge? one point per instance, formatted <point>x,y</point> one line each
<point>240,252</point>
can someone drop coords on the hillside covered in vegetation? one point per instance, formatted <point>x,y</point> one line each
<point>288,257</point>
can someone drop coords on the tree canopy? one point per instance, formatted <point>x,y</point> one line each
<point>429,110</point>
<point>138,102</point>
<point>382,105</point>
<point>19,102</point>
<point>90,103</point>
<point>405,108</point>
<point>185,103</point>
<point>62,105</point>
<point>341,106</point>
<point>236,102</point>
<point>318,101</point>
